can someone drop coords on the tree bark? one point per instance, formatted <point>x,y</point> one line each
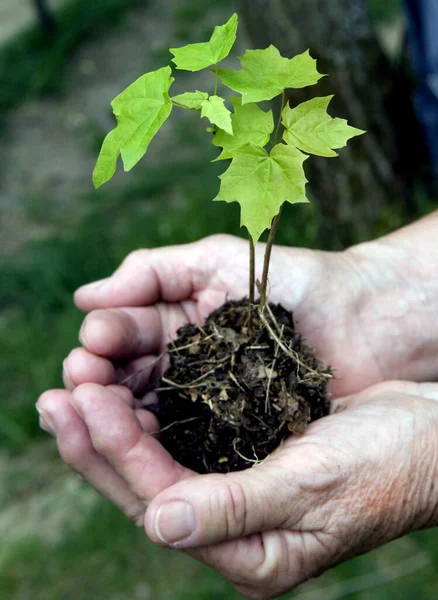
<point>46,21</point>
<point>374,174</point>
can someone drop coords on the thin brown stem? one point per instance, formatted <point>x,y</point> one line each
<point>274,226</point>
<point>277,129</point>
<point>216,83</point>
<point>267,259</point>
<point>251,271</point>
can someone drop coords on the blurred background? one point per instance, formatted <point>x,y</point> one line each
<point>61,63</point>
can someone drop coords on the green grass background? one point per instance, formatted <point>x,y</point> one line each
<point>60,540</point>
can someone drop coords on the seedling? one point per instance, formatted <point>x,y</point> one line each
<point>266,170</point>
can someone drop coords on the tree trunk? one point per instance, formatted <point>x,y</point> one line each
<point>45,18</point>
<point>373,175</point>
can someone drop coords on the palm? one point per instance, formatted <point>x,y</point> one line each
<point>335,484</point>
<point>332,302</point>
<point>103,434</point>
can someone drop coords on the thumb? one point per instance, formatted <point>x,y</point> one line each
<point>208,509</point>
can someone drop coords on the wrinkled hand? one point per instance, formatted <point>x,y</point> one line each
<point>353,481</point>
<point>324,476</point>
<point>363,310</point>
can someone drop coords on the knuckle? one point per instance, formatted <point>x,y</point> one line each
<point>229,502</point>
<point>265,574</point>
<point>267,579</point>
<point>135,257</point>
<point>107,442</point>
<point>255,567</point>
<point>219,238</point>
<point>75,452</point>
<point>273,567</point>
<point>126,452</point>
<point>85,393</point>
<point>138,451</point>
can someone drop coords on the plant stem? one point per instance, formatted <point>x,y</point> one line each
<point>251,271</point>
<point>277,129</point>
<point>268,250</point>
<point>217,80</point>
<point>275,221</point>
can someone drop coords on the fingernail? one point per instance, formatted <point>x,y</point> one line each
<point>66,377</point>
<point>175,522</point>
<point>46,422</point>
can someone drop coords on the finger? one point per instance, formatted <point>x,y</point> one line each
<point>122,333</point>
<point>82,366</point>
<point>132,332</point>
<point>140,375</point>
<point>150,426</point>
<point>145,276</point>
<point>75,447</point>
<point>117,435</point>
<point>268,564</point>
<point>209,509</point>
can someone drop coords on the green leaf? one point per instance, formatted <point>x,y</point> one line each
<point>250,124</point>
<point>265,74</point>
<point>215,110</point>
<point>192,100</point>
<point>140,110</point>
<point>261,182</point>
<point>107,160</point>
<point>196,57</point>
<point>310,128</point>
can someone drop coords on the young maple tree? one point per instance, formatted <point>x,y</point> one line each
<point>259,179</point>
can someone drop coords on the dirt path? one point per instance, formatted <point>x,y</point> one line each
<point>15,19</point>
<point>49,147</point>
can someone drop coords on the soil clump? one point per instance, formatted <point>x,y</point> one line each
<point>237,387</point>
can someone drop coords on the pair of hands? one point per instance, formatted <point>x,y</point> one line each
<point>353,481</point>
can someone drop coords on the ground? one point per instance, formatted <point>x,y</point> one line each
<point>49,146</point>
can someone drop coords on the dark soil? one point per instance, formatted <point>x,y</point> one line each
<point>234,391</point>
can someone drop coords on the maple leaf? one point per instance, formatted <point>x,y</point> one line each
<point>195,57</point>
<point>265,74</point>
<point>192,100</point>
<point>261,182</point>
<point>218,114</point>
<point>250,124</point>
<point>140,110</point>
<point>310,128</point>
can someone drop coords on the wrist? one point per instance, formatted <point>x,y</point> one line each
<point>401,300</point>
<point>431,519</point>
<point>427,457</point>
<point>416,483</point>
